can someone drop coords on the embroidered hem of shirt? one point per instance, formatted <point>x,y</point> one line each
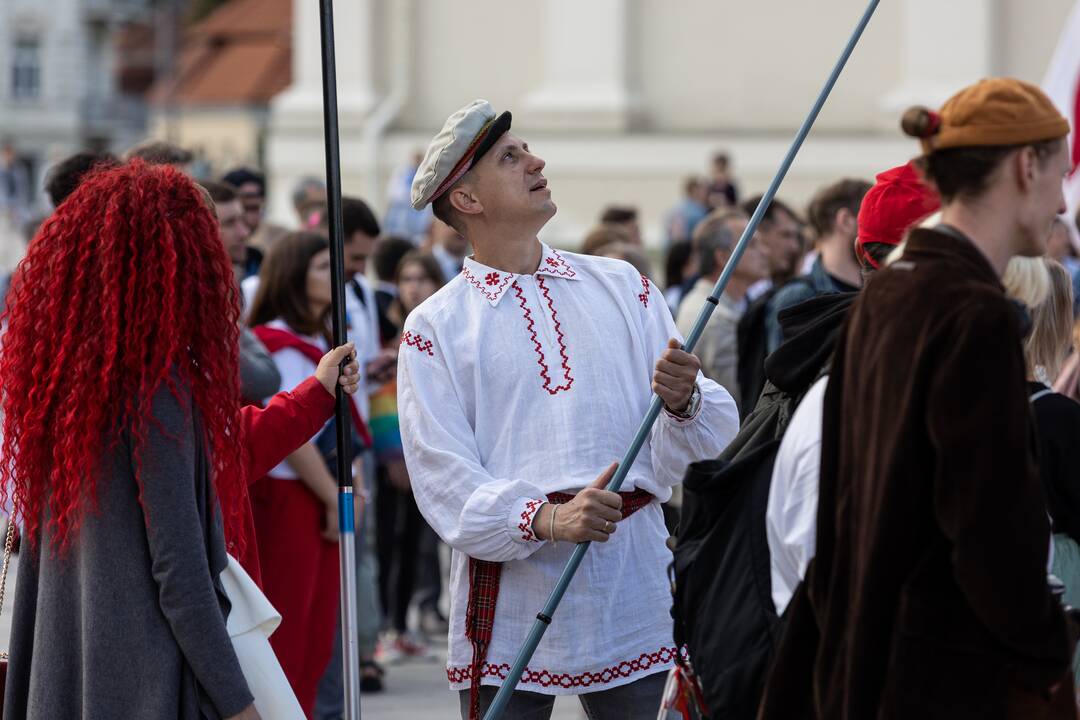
<point>553,682</point>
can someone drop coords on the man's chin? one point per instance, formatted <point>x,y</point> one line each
<point>547,205</point>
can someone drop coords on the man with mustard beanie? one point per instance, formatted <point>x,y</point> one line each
<point>927,597</point>
<point>518,383</point>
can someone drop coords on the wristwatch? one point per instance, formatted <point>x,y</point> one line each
<point>691,407</point>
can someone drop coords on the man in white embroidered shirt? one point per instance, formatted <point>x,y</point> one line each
<point>519,383</point>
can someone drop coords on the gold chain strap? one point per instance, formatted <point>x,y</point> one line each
<point>9,544</point>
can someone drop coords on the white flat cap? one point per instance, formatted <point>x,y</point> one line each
<point>466,136</point>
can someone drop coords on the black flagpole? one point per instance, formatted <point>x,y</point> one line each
<point>346,519</point>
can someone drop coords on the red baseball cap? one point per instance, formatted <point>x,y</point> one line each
<point>898,200</point>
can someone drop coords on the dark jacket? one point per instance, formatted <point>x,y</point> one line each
<point>1057,422</point>
<point>817,282</point>
<point>928,595</point>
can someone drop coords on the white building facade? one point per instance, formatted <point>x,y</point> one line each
<point>625,98</point>
<point>58,80</point>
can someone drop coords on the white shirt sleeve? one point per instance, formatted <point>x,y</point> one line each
<point>677,442</point>
<point>368,344</point>
<point>294,368</point>
<point>482,516</point>
<point>249,286</point>
<point>363,316</point>
<point>791,513</point>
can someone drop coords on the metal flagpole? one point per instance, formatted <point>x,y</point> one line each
<point>543,618</point>
<point>343,421</point>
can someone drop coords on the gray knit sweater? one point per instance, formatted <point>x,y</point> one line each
<point>130,623</point>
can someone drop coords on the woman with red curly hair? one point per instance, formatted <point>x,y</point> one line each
<point>123,455</point>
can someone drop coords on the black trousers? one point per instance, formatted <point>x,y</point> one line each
<point>399,526</point>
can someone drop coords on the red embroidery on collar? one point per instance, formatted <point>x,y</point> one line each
<point>558,266</point>
<point>492,278</point>
<point>547,678</point>
<point>644,297</point>
<point>530,325</point>
<point>491,295</point>
<point>525,526</point>
<point>417,341</point>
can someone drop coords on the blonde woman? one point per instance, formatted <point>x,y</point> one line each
<point>1068,380</point>
<point>1044,285</point>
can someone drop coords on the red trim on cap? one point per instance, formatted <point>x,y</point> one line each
<point>464,163</point>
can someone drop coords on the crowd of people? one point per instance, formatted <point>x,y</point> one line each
<point>890,381</point>
<point>281,328</point>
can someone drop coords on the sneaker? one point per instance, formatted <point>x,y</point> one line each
<point>371,676</point>
<point>411,647</point>
<point>433,624</point>
<point>387,651</point>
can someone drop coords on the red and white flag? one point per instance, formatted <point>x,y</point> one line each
<point>1062,85</point>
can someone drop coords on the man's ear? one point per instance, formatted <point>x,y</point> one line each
<point>464,200</point>
<point>846,222</point>
<point>1025,167</point>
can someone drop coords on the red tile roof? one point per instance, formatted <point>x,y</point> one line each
<point>238,55</point>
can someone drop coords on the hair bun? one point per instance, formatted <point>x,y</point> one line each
<point>920,122</point>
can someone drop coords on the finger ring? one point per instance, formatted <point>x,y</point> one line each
<point>609,526</point>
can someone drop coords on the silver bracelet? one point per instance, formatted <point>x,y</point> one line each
<point>551,525</point>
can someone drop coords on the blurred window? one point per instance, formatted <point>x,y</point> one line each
<point>26,68</point>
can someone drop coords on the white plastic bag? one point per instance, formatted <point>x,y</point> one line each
<point>251,622</point>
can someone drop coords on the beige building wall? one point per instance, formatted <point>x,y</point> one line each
<point>227,137</point>
<point>1027,33</point>
<point>624,98</point>
<point>461,51</point>
<point>706,66</point>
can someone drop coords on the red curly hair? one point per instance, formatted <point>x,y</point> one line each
<point>126,287</point>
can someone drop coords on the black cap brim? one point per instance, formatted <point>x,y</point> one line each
<point>498,128</point>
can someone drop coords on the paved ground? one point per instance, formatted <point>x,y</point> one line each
<point>417,689</point>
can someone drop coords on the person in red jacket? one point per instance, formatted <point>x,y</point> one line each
<point>295,502</point>
<point>290,419</point>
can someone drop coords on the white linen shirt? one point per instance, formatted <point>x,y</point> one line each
<point>363,331</point>
<point>791,513</point>
<point>294,367</point>
<point>511,387</point>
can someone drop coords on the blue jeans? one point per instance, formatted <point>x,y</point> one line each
<point>639,700</point>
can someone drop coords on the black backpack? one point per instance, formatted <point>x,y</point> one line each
<point>723,607</point>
